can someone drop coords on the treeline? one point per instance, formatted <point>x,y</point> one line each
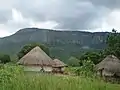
<point>113,48</point>
<point>4,58</point>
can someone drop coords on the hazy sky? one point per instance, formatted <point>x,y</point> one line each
<point>91,15</point>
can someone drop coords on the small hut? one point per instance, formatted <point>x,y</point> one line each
<point>58,66</point>
<point>109,68</point>
<point>36,60</point>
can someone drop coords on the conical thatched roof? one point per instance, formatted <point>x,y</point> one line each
<point>110,64</point>
<point>58,63</point>
<point>36,57</point>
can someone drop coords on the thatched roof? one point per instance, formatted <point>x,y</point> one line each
<point>58,63</point>
<point>36,57</point>
<point>110,64</point>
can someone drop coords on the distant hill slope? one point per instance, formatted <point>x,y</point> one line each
<point>62,43</point>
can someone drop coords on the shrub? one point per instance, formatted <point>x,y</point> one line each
<point>73,62</point>
<point>86,69</point>
<point>4,58</point>
<point>95,57</point>
<point>9,72</point>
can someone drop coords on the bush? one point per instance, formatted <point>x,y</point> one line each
<point>95,57</point>
<point>73,62</point>
<point>86,70</point>
<point>9,73</point>
<point>4,58</point>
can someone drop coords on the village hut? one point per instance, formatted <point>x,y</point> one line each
<point>36,60</point>
<point>109,68</point>
<point>58,66</point>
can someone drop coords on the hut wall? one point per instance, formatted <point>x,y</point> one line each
<point>63,69</point>
<point>58,69</point>
<point>32,68</point>
<point>47,69</point>
<point>107,73</point>
<point>98,73</point>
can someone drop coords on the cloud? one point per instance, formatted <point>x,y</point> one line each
<point>18,21</point>
<point>112,4</point>
<point>77,14</point>
<point>73,15</point>
<point>4,31</point>
<point>45,25</point>
<point>91,15</point>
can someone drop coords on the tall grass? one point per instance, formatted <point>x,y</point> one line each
<point>51,82</point>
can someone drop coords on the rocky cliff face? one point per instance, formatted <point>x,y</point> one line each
<point>58,41</point>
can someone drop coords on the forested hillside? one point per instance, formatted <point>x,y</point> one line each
<point>62,44</point>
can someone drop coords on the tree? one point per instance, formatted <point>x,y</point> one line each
<point>29,47</point>
<point>95,57</point>
<point>114,31</point>
<point>113,44</point>
<point>4,58</point>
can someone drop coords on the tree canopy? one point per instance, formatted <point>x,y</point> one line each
<point>29,47</point>
<point>93,56</point>
<point>113,44</point>
<point>4,58</point>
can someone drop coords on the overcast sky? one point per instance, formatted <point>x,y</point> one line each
<point>90,15</point>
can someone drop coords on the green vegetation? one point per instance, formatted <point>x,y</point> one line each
<point>73,61</point>
<point>62,44</point>
<point>113,47</point>
<point>113,44</point>
<point>86,70</point>
<point>4,58</point>
<point>80,74</point>
<point>29,47</point>
<point>12,78</point>
<point>95,57</point>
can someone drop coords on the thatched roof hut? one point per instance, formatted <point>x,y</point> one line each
<point>58,63</point>
<point>36,57</point>
<point>110,66</point>
<point>58,66</point>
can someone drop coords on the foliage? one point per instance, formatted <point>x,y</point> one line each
<point>95,57</point>
<point>113,44</point>
<point>71,70</point>
<point>9,72</point>
<point>51,82</point>
<point>86,69</point>
<point>72,61</point>
<point>29,47</point>
<point>63,43</point>
<point>4,58</point>
<point>13,78</point>
<point>88,65</point>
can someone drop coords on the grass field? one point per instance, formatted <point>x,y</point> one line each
<point>50,82</point>
<point>11,79</point>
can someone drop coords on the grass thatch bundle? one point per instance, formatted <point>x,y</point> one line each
<point>36,57</point>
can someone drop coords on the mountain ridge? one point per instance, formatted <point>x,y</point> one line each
<point>60,42</point>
